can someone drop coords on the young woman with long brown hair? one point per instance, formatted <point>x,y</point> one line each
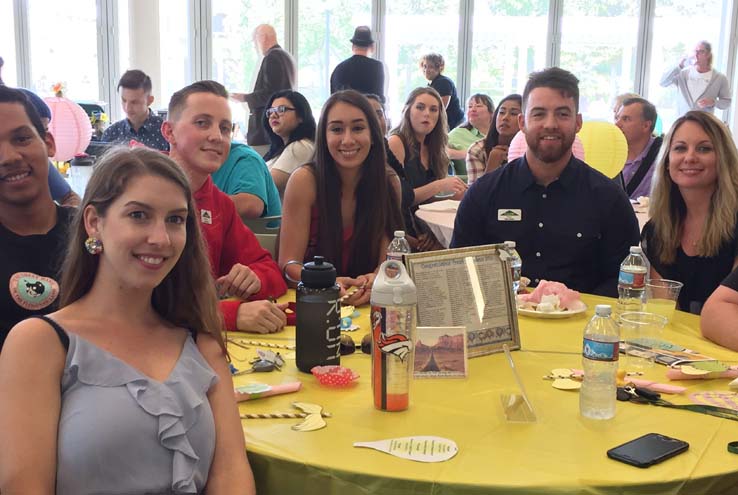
<point>343,206</point>
<point>419,143</point>
<point>135,393</point>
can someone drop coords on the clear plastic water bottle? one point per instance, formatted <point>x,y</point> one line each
<point>632,282</point>
<point>516,264</point>
<point>398,247</point>
<point>600,351</point>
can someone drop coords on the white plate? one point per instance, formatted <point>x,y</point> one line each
<point>444,195</point>
<point>552,314</point>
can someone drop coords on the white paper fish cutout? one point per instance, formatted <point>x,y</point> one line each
<point>418,448</point>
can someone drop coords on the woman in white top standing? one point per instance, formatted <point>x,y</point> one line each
<point>700,86</point>
<point>290,124</point>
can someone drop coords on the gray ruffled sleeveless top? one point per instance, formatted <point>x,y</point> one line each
<point>121,432</point>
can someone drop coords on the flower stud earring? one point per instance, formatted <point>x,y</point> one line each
<point>93,245</point>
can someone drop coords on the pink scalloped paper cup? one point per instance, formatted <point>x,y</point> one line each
<point>334,376</point>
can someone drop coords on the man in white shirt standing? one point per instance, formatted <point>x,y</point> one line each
<point>700,86</point>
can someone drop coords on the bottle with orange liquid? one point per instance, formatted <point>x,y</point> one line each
<point>394,300</point>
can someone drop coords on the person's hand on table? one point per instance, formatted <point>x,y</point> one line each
<point>240,282</point>
<point>261,317</point>
<point>364,288</point>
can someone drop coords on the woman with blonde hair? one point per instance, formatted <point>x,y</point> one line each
<point>692,234</point>
<point>127,385</point>
<point>419,143</point>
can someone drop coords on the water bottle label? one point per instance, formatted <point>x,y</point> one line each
<point>632,280</point>
<point>600,351</point>
<point>394,256</point>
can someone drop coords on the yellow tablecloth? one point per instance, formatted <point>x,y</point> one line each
<point>560,453</point>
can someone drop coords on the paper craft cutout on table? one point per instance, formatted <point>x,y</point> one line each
<point>665,353</point>
<point>440,352</point>
<point>252,391</point>
<point>571,379</point>
<point>313,414</point>
<point>693,373</point>
<point>725,399</point>
<point>564,379</point>
<point>417,448</point>
<point>348,314</point>
<point>704,367</point>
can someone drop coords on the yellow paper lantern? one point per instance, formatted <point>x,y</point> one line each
<point>604,146</point>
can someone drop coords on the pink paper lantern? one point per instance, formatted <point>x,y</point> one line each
<point>518,147</point>
<point>70,127</point>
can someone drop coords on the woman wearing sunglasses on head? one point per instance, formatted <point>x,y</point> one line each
<point>343,205</point>
<point>290,125</point>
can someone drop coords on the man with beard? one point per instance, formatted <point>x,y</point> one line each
<point>571,223</point>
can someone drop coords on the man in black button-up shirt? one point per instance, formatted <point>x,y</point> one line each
<point>571,223</point>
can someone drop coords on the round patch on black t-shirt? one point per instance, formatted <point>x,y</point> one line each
<point>33,292</point>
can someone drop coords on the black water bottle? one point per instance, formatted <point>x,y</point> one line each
<point>318,329</point>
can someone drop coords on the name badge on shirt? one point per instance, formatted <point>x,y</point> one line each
<point>509,215</point>
<point>206,217</point>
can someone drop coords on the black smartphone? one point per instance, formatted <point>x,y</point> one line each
<point>647,450</point>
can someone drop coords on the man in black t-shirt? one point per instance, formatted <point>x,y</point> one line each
<point>360,72</point>
<point>33,229</point>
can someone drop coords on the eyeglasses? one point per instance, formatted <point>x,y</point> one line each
<point>280,110</point>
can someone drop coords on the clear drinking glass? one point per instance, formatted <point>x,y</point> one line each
<point>661,297</point>
<point>641,331</point>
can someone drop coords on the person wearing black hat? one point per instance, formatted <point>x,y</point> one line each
<point>359,72</point>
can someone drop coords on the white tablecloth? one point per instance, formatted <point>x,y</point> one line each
<point>441,223</point>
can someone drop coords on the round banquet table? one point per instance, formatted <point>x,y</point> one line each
<point>561,453</point>
<point>441,222</point>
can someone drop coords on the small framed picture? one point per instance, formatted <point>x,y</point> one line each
<point>440,352</point>
<point>469,287</point>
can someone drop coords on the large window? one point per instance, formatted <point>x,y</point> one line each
<point>678,26</point>
<point>414,28</point>
<point>63,38</point>
<point>235,58</point>
<point>7,43</point>
<point>501,58</point>
<point>325,28</point>
<point>124,37</point>
<point>598,44</point>
<point>174,48</point>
